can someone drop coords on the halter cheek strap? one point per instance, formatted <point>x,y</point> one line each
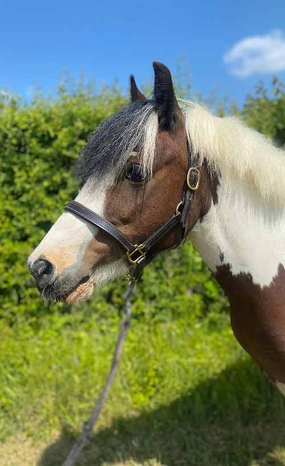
<point>140,255</point>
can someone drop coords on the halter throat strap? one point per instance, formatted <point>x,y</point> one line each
<point>140,255</point>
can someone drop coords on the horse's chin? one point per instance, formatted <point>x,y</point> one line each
<point>81,293</point>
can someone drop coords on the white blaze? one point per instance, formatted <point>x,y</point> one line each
<point>66,241</point>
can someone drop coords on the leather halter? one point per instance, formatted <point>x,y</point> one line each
<point>140,255</point>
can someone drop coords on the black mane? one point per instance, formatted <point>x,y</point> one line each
<point>121,132</point>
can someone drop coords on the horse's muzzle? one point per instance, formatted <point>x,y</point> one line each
<point>43,272</point>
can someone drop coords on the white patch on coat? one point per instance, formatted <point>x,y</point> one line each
<point>281,387</point>
<point>242,230</point>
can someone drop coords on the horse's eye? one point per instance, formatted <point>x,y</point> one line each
<point>135,173</point>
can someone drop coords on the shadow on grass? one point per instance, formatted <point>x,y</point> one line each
<point>234,419</point>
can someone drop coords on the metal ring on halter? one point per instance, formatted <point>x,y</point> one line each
<point>197,171</point>
<point>178,207</point>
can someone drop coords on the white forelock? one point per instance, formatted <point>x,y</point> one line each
<point>144,128</point>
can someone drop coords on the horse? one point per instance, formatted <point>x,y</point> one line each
<point>161,171</point>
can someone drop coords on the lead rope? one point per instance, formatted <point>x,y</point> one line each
<point>86,433</point>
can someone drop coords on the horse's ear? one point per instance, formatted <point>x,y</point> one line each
<point>169,112</point>
<point>135,92</point>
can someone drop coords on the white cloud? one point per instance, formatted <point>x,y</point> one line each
<point>257,54</point>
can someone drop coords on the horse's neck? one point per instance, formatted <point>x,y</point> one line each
<point>243,232</point>
<point>242,240</point>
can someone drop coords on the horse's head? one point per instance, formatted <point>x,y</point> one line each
<point>133,170</point>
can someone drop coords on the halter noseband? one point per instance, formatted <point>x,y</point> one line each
<point>140,255</point>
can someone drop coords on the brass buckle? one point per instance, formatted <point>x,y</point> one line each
<point>196,186</point>
<point>178,208</point>
<point>135,260</point>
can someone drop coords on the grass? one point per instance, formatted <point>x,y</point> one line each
<point>186,395</point>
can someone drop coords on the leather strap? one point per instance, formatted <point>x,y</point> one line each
<point>161,232</point>
<point>81,211</point>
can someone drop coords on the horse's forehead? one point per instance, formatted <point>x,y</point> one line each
<point>169,144</point>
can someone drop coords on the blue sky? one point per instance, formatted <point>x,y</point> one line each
<point>40,40</point>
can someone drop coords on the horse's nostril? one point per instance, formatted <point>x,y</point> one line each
<point>42,271</point>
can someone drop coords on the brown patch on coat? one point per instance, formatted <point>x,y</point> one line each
<point>258,317</point>
<point>101,250</point>
<point>140,210</point>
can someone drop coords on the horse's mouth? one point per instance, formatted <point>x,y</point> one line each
<point>57,291</point>
<point>82,292</point>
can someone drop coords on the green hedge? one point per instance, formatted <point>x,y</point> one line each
<point>265,111</point>
<point>39,146</point>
